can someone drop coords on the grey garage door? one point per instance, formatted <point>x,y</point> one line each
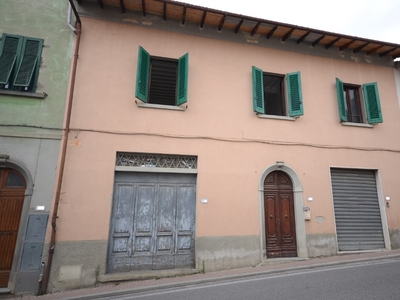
<point>357,213</point>
<point>153,222</point>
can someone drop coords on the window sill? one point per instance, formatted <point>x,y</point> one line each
<point>357,124</point>
<point>23,94</point>
<point>159,106</point>
<point>262,116</point>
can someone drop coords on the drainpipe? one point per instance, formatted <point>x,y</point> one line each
<point>77,30</point>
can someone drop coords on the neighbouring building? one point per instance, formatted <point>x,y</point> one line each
<point>202,140</point>
<point>35,55</point>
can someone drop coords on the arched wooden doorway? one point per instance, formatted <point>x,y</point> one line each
<point>280,230</point>
<point>12,191</point>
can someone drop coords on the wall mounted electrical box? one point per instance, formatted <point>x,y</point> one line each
<point>307,213</point>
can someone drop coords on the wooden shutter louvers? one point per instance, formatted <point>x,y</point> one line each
<point>28,63</point>
<point>142,75</point>
<point>183,68</point>
<point>341,100</point>
<point>258,90</point>
<point>8,57</point>
<point>295,97</point>
<point>372,103</point>
<point>163,77</point>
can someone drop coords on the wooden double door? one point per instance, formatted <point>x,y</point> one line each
<point>280,230</point>
<point>153,222</point>
<point>12,191</point>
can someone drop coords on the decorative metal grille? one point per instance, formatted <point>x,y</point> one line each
<point>156,160</point>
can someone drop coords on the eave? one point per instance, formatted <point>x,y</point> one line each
<point>222,20</point>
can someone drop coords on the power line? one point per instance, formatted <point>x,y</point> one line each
<point>220,139</point>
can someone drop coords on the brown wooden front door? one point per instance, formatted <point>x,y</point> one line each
<point>280,228</point>
<point>12,190</point>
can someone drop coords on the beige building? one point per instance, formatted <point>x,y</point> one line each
<point>207,140</point>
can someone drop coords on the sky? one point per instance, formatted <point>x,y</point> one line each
<point>371,19</point>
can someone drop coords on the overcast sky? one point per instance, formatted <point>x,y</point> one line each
<point>373,19</point>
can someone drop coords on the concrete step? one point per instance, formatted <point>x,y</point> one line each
<point>142,275</point>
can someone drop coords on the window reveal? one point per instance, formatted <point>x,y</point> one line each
<point>162,83</point>
<point>161,80</point>
<point>356,109</point>
<point>279,95</point>
<point>353,104</point>
<point>274,97</point>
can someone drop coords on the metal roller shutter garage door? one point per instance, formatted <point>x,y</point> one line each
<point>357,213</point>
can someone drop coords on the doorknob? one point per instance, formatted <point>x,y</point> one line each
<point>286,216</point>
<point>271,216</point>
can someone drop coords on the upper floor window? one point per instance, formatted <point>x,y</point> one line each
<point>358,105</point>
<point>278,95</point>
<point>19,62</point>
<point>161,80</point>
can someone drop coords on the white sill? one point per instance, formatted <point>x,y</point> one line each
<point>23,94</point>
<point>160,106</point>
<point>357,124</point>
<point>285,118</point>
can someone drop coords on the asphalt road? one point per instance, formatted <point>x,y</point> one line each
<point>368,280</point>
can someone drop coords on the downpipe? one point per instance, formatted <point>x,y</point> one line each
<point>77,30</point>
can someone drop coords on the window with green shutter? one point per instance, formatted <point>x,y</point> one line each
<point>355,107</point>
<point>277,95</point>
<point>19,62</point>
<point>372,103</point>
<point>161,80</point>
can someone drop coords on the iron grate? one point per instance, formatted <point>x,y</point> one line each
<point>156,160</point>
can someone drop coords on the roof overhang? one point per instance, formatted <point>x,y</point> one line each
<point>221,20</point>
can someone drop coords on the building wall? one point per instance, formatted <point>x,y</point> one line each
<point>397,78</point>
<point>30,128</point>
<point>54,69</point>
<point>395,232</point>
<point>234,146</point>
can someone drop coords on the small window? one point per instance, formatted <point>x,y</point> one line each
<point>359,105</point>
<point>161,80</point>
<point>19,62</point>
<point>278,95</point>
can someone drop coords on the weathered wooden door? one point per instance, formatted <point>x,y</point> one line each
<point>12,190</point>
<point>279,216</point>
<point>153,222</point>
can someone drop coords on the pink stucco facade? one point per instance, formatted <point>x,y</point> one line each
<point>235,147</point>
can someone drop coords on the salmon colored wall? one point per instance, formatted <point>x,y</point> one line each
<point>231,162</point>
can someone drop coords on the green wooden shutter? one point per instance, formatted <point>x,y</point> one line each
<point>258,90</point>
<point>142,75</point>
<point>372,103</point>
<point>27,72</point>
<point>9,50</point>
<point>295,96</point>
<point>341,100</point>
<point>181,94</point>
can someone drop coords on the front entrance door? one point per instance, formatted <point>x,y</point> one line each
<point>280,228</point>
<point>153,222</point>
<point>12,190</point>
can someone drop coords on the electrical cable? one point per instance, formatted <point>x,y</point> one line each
<point>221,139</point>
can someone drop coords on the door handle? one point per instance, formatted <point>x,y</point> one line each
<point>286,216</point>
<point>271,216</point>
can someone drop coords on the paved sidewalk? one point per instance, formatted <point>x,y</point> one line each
<point>270,267</point>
